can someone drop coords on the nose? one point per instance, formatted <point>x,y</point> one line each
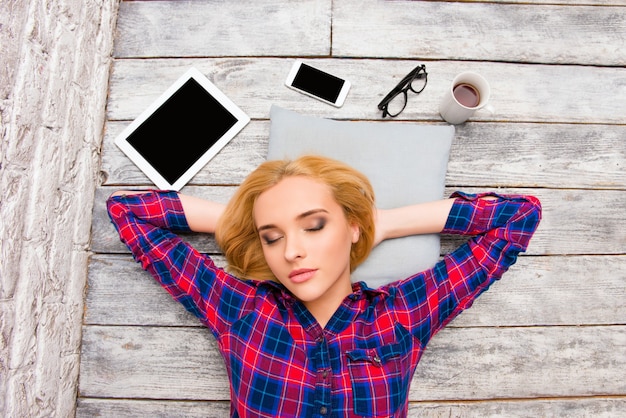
<point>294,248</point>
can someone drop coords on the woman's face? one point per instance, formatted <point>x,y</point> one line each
<point>306,240</point>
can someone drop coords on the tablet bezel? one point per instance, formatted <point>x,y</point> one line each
<point>131,152</point>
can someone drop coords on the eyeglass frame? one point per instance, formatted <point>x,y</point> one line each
<point>403,87</point>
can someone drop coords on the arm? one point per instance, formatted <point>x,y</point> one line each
<point>422,218</point>
<point>202,215</point>
<point>500,227</point>
<point>147,222</point>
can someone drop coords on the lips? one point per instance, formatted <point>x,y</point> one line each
<point>301,275</point>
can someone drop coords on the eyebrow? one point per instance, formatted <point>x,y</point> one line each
<point>298,218</point>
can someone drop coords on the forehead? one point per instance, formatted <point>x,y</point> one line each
<point>291,197</point>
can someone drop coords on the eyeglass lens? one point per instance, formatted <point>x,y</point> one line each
<point>414,81</point>
<point>397,104</point>
<point>419,82</point>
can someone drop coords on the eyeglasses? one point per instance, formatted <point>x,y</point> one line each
<point>393,104</point>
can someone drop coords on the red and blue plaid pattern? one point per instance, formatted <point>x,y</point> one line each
<point>279,360</point>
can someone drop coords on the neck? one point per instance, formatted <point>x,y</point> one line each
<point>325,307</point>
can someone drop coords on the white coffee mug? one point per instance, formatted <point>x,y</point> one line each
<point>468,92</point>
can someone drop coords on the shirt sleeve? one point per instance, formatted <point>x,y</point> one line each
<point>147,223</point>
<point>500,229</point>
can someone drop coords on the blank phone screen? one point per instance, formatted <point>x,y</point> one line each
<point>318,83</point>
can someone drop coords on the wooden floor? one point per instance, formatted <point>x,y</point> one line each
<point>549,340</point>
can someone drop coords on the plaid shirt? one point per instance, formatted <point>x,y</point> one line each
<point>279,360</point>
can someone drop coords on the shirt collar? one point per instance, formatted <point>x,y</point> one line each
<point>360,290</point>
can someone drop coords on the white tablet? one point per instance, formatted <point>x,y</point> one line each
<point>181,131</point>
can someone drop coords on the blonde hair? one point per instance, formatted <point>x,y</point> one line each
<point>236,232</point>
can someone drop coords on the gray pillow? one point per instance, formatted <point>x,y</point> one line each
<point>405,162</point>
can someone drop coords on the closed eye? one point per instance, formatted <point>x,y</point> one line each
<point>270,233</point>
<point>270,239</point>
<point>319,225</point>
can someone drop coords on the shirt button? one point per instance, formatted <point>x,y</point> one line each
<point>323,410</point>
<point>325,374</point>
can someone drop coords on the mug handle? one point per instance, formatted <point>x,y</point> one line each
<point>488,108</point>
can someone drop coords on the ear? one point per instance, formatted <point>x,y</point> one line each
<point>356,233</point>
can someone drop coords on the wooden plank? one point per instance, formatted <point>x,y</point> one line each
<point>532,293</point>
<point>89,408</point>
<point>568,133</point>
<point>560,2</point>
<point>571,408</point>
<point>152,363</point>
<point>482,155</point>
<point>178,29</point>
<point>538,155</point>
<point>480,32</point>
<point>574,222</point>
<point>121,293</point>
<point>460,363</point>
<point>520,92</point>
<point>218,28</point>
<point>522,363</point>
<point>230,166</point>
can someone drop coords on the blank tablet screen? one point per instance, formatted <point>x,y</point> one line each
<point>181,130</point>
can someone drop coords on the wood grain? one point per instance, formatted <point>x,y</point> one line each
<point>459,364</point>
<point>536,291</point>
<point>218,28</point>
<point>574,408</point>
<point>520,92</point>
<point>551,34</point>
<point>539,33</point>
<point>561,156</point>
<point>547,340</point>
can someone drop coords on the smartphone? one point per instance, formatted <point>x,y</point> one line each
<point>318,84</point>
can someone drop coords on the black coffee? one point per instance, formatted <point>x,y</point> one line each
<point>466,94</point>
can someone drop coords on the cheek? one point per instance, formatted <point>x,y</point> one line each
<point>339,246</point>
<point>267,254</point>
<point>273,259</point>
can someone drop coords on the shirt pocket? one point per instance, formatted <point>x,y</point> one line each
<point>380,379</point>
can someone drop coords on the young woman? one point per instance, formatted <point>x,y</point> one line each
<point>298,337</point>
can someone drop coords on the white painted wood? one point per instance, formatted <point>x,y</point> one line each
<point>53,82</point>
<point>482,154</point>
<point>475,30</point>
<point>545,341</point>
<point>480,31</point>
<point>539,155</point>
<point>560,2</point>
<point>572,408</point>
<point>219,28</point>
<point>459,364</point>
<point>54,86</point>
<point>520,92</point>
<point>536,291</point>
<point>522,363</point>
<point>574,222</point>
<point>88,408</point>
<point>230,166</point>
